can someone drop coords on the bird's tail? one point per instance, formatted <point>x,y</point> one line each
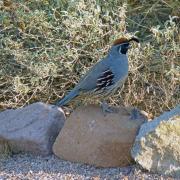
<point>67,98</point>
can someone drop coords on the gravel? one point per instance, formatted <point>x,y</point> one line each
<point>26,166</point>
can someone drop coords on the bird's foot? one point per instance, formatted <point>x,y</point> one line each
<point>106,108</point>
<point>134,114</point>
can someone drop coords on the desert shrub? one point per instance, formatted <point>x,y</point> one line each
<point>46,46</point>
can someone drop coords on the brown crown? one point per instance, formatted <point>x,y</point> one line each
<point>120,41</point>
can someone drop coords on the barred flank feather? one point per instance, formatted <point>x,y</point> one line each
<point>105,80</point>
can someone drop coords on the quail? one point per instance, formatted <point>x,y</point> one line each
<point>105,77</point>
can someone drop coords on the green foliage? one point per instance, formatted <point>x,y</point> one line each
<point>46,46</point>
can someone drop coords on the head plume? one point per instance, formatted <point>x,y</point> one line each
<point>125,40</point>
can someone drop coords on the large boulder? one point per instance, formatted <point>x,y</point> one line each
<point>92,138</point>
<point>157,146</point>
<point>31,129</point>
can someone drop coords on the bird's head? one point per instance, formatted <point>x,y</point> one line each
<point>122,45</point>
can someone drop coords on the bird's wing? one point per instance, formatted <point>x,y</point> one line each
<point>97,78</point>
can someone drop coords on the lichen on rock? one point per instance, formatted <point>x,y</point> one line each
<point>157,146</point>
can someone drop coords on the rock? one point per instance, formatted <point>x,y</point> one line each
<point>32,128</point>
<point>157,146</point>
<point>90,137</point>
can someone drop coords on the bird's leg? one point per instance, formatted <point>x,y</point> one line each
<point>134,114</point>
<point>106,108</point>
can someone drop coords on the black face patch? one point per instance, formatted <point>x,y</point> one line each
<point>124,48</point>
<point>105,80</point>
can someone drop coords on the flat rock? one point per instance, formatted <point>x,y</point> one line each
<point>104,141</point>
<point>157,146</point>
<point>31,129</point>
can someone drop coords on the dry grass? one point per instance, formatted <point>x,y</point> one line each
<point>46,46</point>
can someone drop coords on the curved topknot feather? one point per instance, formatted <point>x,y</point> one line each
<point>120,41</point>
<point>125,40</point>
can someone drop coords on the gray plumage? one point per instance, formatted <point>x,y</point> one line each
<point>105,76</point>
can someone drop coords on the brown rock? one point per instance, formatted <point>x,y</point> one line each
<point>92,138</point>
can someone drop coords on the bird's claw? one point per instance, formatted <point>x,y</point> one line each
<point>106,108</point>
<point>134,114</point>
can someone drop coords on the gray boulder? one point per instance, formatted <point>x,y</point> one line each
<point>31,129</point>
<point>157,145</point>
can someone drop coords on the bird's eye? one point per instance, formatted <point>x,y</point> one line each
<point>123,48</point>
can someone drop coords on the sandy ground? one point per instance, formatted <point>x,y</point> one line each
<point>25,166</point>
